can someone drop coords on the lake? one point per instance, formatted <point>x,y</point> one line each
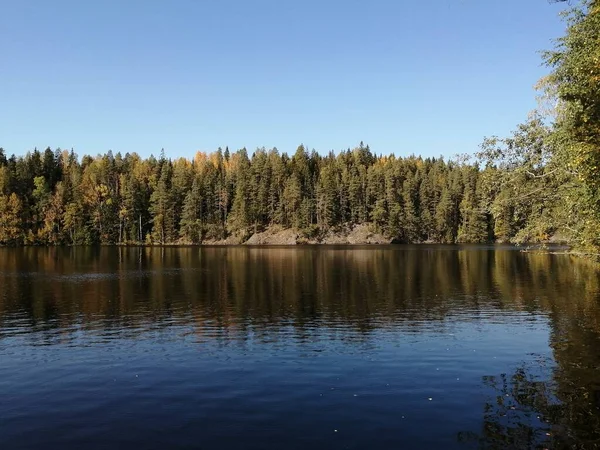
<point>290,348</point>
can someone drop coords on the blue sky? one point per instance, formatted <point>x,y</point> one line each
<point>424,77</point>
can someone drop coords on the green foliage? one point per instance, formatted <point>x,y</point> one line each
<point>10,219</point>
<point>575,81</point>
<point>162,207</point>
<point>191,226</point>
<point>114,199</point>
<point>525,181</point>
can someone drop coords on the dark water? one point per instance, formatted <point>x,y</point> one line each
<point>285,348</point>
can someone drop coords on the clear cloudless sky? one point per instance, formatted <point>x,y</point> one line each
<point>424,77</point>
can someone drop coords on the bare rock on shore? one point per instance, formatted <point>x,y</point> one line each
<point>274,236</point>
<point>355,235</point>
<point>234,239</point>
<point>363,234</point>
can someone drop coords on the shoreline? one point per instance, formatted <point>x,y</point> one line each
<point>353,235</point>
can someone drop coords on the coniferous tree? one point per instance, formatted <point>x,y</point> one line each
<point>161,206</point>
<point>191,226</point>
<point>241,210</point>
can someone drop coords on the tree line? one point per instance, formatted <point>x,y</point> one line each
<point>53,198</point>
<point>540,182</point>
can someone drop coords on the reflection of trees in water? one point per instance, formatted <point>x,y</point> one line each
<point>233,287</point>
<point>363,287</point>
<point>536,407</point>
<point>546,405</point>
<point>235,290</point>
<point>522,412</point>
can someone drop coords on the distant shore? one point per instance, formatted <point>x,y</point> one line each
<point>359,234</point>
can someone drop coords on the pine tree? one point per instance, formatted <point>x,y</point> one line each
<point>327,197</point>
<point>241,218</point>
<point>292,202</point>
<point>473,226</point>
<point>409,220</point>
<point>3,160</point>
<point>161,205</point>
<point>191,226</point>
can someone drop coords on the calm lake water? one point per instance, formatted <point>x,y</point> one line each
<point>292,348</point>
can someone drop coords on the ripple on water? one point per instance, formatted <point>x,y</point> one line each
<point>232,348</point>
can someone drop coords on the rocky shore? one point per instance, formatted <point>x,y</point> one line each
<point>352,235</point>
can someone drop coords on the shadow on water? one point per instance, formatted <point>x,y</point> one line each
<point>55,294</point>
<point>529,410</point>
<point>550,403</point>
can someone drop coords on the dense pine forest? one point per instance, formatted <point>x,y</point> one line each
<point>52,197</point>
<point>538,184</point>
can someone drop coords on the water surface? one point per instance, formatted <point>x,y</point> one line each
<point>320,347</point>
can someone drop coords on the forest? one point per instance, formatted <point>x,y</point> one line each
<point>539,184</point>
